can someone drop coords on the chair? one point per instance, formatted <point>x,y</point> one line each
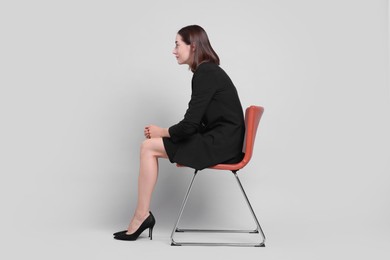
<point>252,118</point>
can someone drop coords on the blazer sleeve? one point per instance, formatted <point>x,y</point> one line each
<point>204,86</point>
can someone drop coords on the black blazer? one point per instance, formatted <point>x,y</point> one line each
<point>213,127</point>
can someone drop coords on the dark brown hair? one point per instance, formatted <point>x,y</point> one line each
<point>196,36</point>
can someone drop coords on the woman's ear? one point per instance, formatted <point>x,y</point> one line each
<point>193,47</point>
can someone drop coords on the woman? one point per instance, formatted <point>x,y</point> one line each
<point>211,132</point>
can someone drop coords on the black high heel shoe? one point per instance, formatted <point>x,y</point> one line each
<point>149,222</point>
<point>124,231</point>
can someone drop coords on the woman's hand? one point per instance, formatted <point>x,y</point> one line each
<point>152,131</point>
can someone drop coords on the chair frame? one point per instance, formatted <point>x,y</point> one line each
<point>248,147</point>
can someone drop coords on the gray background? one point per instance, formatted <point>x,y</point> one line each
<point>80,79</point>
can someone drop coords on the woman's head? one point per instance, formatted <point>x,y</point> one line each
<point>193,47</point>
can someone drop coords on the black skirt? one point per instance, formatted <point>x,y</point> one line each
<point>196,152</point>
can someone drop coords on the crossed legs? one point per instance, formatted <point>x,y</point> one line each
<point>151,150</point>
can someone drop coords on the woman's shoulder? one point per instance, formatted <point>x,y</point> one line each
<point>207,66</point>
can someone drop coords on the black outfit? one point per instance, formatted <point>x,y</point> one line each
<point>213,127</point>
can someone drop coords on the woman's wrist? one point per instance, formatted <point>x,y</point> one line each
<point>166,132</point>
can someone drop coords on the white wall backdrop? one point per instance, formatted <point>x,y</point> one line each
<point>80,79</point>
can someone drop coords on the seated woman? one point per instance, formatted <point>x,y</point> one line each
<point>211,132</point>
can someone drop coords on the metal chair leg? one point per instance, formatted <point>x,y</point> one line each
<point>251,209</point>
<point>173,243</point>
<point>176,229</point>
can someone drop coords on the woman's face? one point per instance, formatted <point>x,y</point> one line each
<point>182,51</point>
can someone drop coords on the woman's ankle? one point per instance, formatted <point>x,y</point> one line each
<point>141,215</point>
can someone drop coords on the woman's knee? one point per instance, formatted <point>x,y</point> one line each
<point>153,147</point>
<point>145,146</point>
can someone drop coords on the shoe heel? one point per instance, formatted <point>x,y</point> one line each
<point>150,232</point>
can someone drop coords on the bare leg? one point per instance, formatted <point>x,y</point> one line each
<point>151,150</point>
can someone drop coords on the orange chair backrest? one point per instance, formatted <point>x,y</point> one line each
<point>252,118</point>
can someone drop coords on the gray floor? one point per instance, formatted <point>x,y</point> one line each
<point>99,244</point>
